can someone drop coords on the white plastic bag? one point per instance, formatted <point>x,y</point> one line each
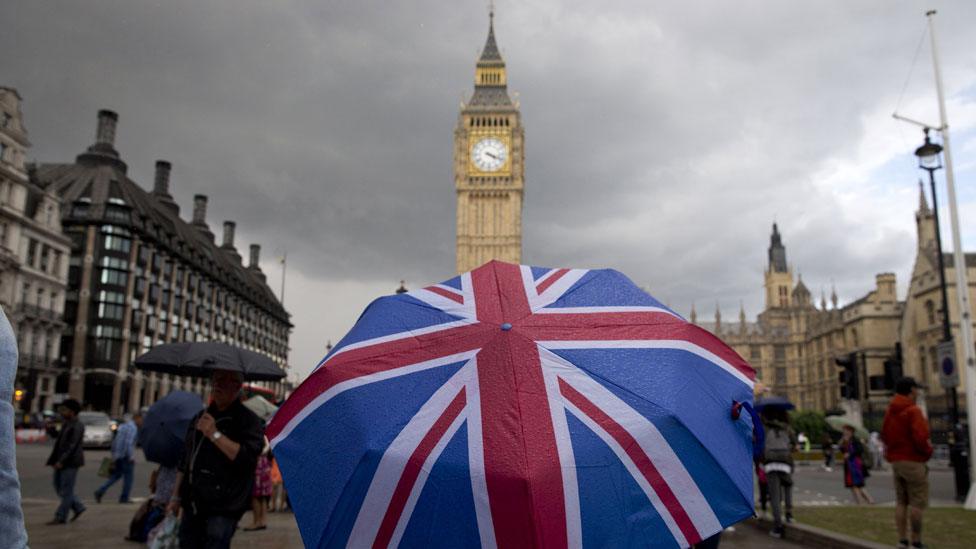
<point>166,534</point>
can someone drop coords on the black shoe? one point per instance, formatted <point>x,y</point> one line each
<point>125,501</point>
<point>53,522</point>
<point>777,532</point>
<point>903,544</point>
<point>789,518</point>
<point>98,497</point>
<point>77,514</point>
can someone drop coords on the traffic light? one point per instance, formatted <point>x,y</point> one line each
<point>18,395</point>
<point>848,376</point>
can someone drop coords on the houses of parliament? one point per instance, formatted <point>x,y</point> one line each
<point>794,341</point>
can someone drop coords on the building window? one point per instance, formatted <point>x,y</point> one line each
<point>114,277</point>
<point>117,243</point>
<point>111,311</point>
<point>779,353</point>
<point>117,213</point>
<point>780,376</point>
<point>80,208</point>
<point>107,349</point>
<point>31,251</point>
<point>930,311</point>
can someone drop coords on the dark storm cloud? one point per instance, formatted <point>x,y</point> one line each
<point>662,140</point>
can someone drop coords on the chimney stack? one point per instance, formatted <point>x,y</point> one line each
<point>107,121</point>
<point>161,184</point>
<point>255,256</point>
<point>200,209</point>
<point>229,227</point>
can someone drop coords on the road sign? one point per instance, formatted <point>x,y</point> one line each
<point>948,369</point>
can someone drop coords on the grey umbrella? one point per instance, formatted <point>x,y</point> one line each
<point>200,359</point>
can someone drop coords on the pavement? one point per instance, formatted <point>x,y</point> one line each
<point>105,524</point>
<point>813,486</point>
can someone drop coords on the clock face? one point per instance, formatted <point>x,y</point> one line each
<point>489,154</point>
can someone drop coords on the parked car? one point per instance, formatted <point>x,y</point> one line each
<point>98,429</point>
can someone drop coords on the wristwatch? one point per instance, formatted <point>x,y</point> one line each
<point>216,436</point>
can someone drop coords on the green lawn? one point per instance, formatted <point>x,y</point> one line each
<point>941,527</point>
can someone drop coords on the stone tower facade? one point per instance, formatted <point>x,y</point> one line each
<point>489,167</point>
<point>779,276</point>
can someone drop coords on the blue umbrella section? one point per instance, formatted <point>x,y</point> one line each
<point>165,425</point>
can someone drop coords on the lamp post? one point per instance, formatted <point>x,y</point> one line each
<point>930,160</point>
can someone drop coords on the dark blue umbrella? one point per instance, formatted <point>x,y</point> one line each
<point>774,402</point>
<point>165,425</point>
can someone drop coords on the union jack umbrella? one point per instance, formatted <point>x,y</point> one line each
<point>517,406</point>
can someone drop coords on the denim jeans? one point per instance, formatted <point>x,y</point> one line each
<point>206,532</point>
<point>64,483</point>
<point>122,469</point>
<point>11,516</point>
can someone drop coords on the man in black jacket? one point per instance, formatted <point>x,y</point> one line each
<point>66,457</point>
<point>216,472</point>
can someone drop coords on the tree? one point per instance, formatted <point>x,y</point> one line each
<point>810,422</point>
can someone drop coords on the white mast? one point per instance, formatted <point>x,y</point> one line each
<point>962,285</point>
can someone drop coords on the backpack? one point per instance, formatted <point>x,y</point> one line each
<point>778,447</point>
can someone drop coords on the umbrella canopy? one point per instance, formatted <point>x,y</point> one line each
<point>261,407</point>
<point>165,425</point>
<point>200,359</point>
<point>774,402</point>
<point>838,423</point>
<point>519,406</point>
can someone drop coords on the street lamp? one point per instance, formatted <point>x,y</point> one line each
<point>930,160</point>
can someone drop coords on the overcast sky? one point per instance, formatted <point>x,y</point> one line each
<point>662,139</point>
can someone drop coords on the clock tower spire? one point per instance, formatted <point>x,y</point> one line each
<point>489,166</point>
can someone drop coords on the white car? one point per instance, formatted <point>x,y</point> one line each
<point>98,429</point>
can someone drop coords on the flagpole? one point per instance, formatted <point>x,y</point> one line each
<point>959,261</point>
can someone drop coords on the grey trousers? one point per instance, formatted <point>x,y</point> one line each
<point>780,488</point>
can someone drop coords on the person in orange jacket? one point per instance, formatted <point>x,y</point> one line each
<point>905,433</point>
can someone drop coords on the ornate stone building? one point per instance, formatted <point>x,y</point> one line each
<point>793,342</point>
<point>139,275</point>
<point>921,325</point>
<point>489,167</point>
<point>33,263</point>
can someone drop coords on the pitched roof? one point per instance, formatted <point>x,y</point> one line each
<point>99,175</point>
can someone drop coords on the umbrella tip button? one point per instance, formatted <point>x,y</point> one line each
<point>506,326</point>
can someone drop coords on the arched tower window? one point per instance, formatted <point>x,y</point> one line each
<point>930,311</point>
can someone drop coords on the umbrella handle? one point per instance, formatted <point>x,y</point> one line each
<point>759,434</point>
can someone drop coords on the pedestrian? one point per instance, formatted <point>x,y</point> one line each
<point>12,529</point>
<point>855,471</point>
<point>778,465</point>
<point>153,510</point>
<point>216,471</point>
<point>827,445</point>
<point>876,447</point>
<point>804,442</point>
<point>905,433</point>
<point>123,458</point>
<point>763,488</point>
<point>263,489</point>
<point>278,495</point>
<point>66,458</point>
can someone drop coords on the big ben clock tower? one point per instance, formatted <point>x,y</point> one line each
<point>489,167</point>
